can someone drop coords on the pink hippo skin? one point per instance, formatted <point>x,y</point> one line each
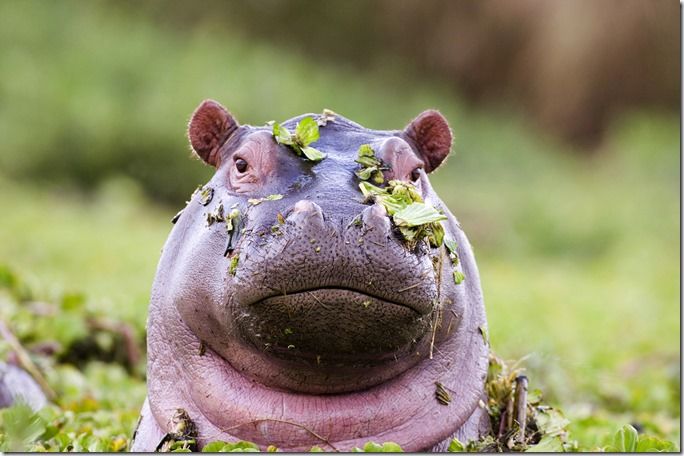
<point>331,331</point>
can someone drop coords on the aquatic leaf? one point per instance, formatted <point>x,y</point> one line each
<point>650,444</point>
<point>415,219</point>
<point>366,173</point>
<point>372,447</point>
<point>366,150</point>
<point>306,132</point>
<point>441,394</point>
<point>281,134</point>
<point>234,260</point>
<point>552,421</point>
<point>326,116</point>
<point>456,446</point>
<point>485,334</point>
<point>548,444</point>
<point>206,195</point>
<point>626,439</point>
<point>313,154</point>
<point>417,214</point>
<point>234,214</point>
<point>240,446</point>
<point>22,426</point>
<point>257,201</point>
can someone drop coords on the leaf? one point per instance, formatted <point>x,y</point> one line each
<point>234,214</point>
<point>366,173</point>
<point>306,132</point>
<point>650,444</point>
<point>551,421</point>
<point>435,234</point>
<point>456,446</point>
<point>313,154</point>
<point>626,439</point>
<point>257,201</point>
<point>378,177</point>
<point>391,447</point>
<point>21,426</point>
<point>281,134</point>
<point>451,245</point>
<point>372,447</point>
<point>548,444</point>
<point>240,446</point>
<point>365,150</point>
<point>317,449</point>
<point>206,195</point>
<point>485,334</point>
<point>417,214</point>
<point>534,397</point>
<point>326,116</point>
<point>213,447</point>
<point>232,270</point>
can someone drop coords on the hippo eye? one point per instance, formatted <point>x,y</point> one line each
<point>415,174</point>
<point>240,165</point>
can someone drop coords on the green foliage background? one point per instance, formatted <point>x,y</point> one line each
<point>578,253</point>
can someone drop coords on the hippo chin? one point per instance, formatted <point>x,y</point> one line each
<point>289,310</point>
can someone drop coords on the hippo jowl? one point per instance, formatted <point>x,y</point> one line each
<point>290,310</point>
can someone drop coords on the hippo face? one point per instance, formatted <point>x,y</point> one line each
<point>282,283</point>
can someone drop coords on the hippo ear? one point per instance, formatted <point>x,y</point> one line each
<point>210,126</point>
<point>431,136</point>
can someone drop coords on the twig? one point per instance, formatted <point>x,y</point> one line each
<point>521,405</point>
<point>26,362</point>
<point>409,287</point>
<point>319,301</point>
<point>436,323</point>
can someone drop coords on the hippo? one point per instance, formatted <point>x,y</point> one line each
<point>297,303</point>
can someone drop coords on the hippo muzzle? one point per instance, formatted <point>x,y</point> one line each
<point>309,320</point>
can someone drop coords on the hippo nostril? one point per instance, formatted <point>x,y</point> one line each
<point>306,210</point>
<point>375,216</point>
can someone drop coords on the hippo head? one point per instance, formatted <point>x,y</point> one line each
<point>292,308</point>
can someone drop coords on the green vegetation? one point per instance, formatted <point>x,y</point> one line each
<point>306,132</point>
<point>578,254</point>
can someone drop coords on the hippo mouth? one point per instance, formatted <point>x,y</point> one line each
<point>336,327</point>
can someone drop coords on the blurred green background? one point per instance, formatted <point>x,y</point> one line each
<point>565,171</point>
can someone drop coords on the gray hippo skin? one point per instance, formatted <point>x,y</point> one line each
<point>330,331</point>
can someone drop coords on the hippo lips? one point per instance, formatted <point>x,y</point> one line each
<point>335,326</point>
<point>361,294</point>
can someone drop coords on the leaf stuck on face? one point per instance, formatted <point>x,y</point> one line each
<point>326,116</point>
<point>257,201</point>
<point>234,260</point>
<point>452,247</point>
<point>206,195</point>
<point>441,394</point>
<point>415,219</point>
<point>306,132</point>
<point>371,167</point>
